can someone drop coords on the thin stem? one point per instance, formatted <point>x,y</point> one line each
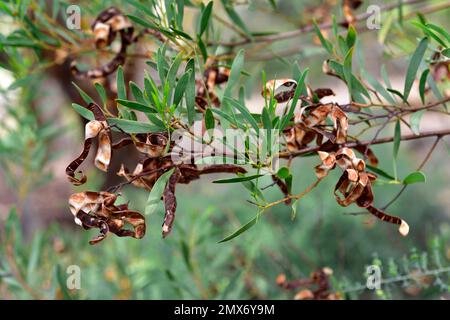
<point>437,133</point>
<point>294,196</point>
<point>309,28</point>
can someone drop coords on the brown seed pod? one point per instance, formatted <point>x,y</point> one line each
<point>97,210</point>
<point>99,129</point>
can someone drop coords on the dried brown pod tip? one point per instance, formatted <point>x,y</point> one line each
<point>355,184</point>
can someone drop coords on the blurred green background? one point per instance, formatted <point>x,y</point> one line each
<point>40,133</point>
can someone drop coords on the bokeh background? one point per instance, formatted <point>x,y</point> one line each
<point>40,133</point>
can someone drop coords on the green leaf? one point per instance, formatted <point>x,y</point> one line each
<point>356,84</point>
<point>134,105</point>
<point>137,92</point>
<point>334,26</point>
<point>386,27</point>
<point>228,118</point>
<point>83,94</point>
<point>255,191</point>
<point>141,7</point>
<point>173,70</point>
<point>156,121</point>
<point>380,172</point>
<point>235,72</point>
<point>4,7</point>
<point>325,43</point>
<point>186,254</point>
<point>134,126</point>
<point>239,179</point>
<point>241,230</point>
<point>429,33</point>
<point>209,119</point>
<point>190,91</point>
<point>298,91</point>
<point>400,12</point>
<point>397,93</point>
<point>204,20</point>
<point>351,36</point>
<point>385,76</point>
<point>151,91</point>
<point>101,92</point>
<point>421,18</point>
<point>434,88</point>
<point>235,17</point>
<point>414,64</point>
<point>422,83</point>
<point>34,257</point>
<point>348,70</point>
<point>162,65</point>
<point>180,13</point>
<point>378,87</point>
<point>154,197</point>
<point>267,123</point>
<point>244,111</point>
<point>415,177</point>
<point>18,42</point>
<point>446,52</point>
<point>202,48</point>
<point>85,113</point>
<point>283,172</point>
<point>396,146</point>
<point>180,88</point>
<point>440,30</point>
<point>288,181</point>
<point>414,121</point>
<point>342,44</point>
<point>142,22</point>
<point>121,90</point>
<point>181,33</point>
<point>21,82</point>
<point>273,4</point>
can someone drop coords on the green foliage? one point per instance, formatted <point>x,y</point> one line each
<point>195,263</point>
<point>156,193</point>
<point>415,177</point>
<point>413,66</point>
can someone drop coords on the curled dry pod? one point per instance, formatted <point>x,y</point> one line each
<point>94,128</point>
<point>97,210</point>
<point>105,27</point>
<point>323,92</point>
<point>355,184</point>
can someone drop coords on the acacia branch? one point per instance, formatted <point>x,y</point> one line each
<point>310,27</point>
<point>401,111</point>
<point>353,144</point>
